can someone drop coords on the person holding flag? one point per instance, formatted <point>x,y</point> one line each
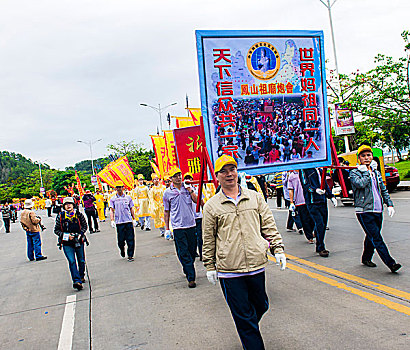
<point>141,195</point>
<point>155,195</point>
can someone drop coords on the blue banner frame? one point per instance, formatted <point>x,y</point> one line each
<point>267,41</point>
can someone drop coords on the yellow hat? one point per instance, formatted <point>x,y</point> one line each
<point>188,174</point>
<point>166,177</point>
<point>363,148</point>
<point>154,176</point>
<point>140,177</point>
<point>224,160</point>
<point>119,184</point>
<point>174,171</point>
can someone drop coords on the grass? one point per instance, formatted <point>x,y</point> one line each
<point>404,169</point>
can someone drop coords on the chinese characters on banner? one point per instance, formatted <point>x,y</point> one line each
<point>263,96</point>
<point>122,169</point>
<point>189,149</point>
<point>170,145</point>
<point>79,187</point>
<point>344,121</point>
<point>160,150</point>
<point>107,176</point>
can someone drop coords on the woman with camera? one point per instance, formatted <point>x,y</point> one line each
<point>70,227</point>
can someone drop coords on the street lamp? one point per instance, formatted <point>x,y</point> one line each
<point>159,110</point>
<point>329,6</point>
<point>90,144</point>
<point>41,176</point>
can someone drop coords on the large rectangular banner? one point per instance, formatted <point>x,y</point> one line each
<point>107,176</point>
<point>344,121</point>
<point>263,97</point>
<point>171,153</point>
<point>189,150</point>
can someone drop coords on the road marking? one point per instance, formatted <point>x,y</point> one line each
<point>381,287</point>
<point>379,300</point>
<point>67,328</point>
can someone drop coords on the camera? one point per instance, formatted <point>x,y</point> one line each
<point>41,225</point>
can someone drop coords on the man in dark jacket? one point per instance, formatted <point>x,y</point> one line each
<point>369,194</point>
<point>6,213</point>
<point>70,227</point>
<point>316,203</point>
<point>90,211</point>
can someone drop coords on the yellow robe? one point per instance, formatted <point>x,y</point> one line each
<point>99,203</point>
<point>141,195</point>
<point>157,205</point>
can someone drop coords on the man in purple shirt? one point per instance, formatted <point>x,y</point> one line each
<point>178,199</point>
<point>123,218</point>
<point>90,211</point>
<point>298,205</point>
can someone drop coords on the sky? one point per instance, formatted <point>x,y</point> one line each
<point>79,69</point>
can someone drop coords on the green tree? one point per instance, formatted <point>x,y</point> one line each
<point>382,97</point>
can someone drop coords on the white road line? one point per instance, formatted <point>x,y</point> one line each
<point>67,328</point>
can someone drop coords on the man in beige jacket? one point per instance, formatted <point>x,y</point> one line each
<point>31,224</point>
<point>238,230</point>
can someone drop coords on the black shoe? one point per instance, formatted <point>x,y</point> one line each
<point>83,280</point>
<point>97,230</point>
<point>191,284</point>
<point>395,267</point>
<point>369,263</point>
<point>147,229</point>
<point>130,258</point>
<point>31,259</point>
<point>301,231</point>
<point>122,252</point>
<point>91,232</point>
<point>324,253</point>
<point>78,286</point>
<point>142,227</point>
<point>41,258</point>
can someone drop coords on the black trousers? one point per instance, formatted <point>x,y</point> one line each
<point>125,233</point>
<point>279,195</point>
<point>307,221</point>
<point>247,300</point>
<point>91,213</point>
<point>198,232</point>
<point>185,244</point>
<point>372,225</point>
<point>319,214</point>
<point>7,224</point>
<point>49,211</point>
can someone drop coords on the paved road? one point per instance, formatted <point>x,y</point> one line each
<point>317,303</point>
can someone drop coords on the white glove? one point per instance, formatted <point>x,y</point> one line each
<point>373,165</point>
<point>167,234</point>
<point>212,276</point>
<point>334,201</point>
<point>113,224</point>
<point>292,207</point>
<point>134,222</point>
<point>391,211</point>
<point>281,260</point>
<point>362,168</point>
<point>187,185</point>
<point>320,191</point>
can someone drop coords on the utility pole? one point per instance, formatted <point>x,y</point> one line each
<point>329,6</point>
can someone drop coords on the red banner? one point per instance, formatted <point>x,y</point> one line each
<point>79,187</point>
<point>188,145</point>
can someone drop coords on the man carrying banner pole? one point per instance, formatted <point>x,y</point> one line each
<point>178,200</point>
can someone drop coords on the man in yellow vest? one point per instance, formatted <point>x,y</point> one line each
<point>156,202</point>
<point>141,194</point>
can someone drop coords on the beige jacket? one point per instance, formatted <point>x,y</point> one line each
<point>237,238</point>
<point>29,221</point>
